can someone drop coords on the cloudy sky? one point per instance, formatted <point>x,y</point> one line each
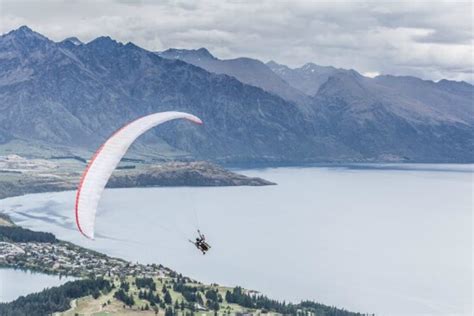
<point>428,39</point>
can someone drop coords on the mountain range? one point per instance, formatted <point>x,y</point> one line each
<point>73,95</point>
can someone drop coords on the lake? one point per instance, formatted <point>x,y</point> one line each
<point>387,239</point>
<point>15,283</point>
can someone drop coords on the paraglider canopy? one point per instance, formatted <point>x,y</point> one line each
<point>106,159</point>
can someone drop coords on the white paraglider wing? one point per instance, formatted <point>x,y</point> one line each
<point>106,159</point>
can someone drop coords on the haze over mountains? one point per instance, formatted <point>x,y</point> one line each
<point>307,78</point>
<point>75,95</point>
<point>247,70</point>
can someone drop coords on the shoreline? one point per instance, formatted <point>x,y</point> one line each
<point>123,179</point>
<point>21,176</point>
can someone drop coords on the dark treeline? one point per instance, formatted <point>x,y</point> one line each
<point>213,299</point>
<point>238,296</point>
<point>125,286</point>
<point>154,299</point>
<point>121,295</point>
<point>189,292</point>
<point>167,298</point>
<point>18,234</point>
<point>146,283</point>
<point>320,309</point>
<point>56,299</point>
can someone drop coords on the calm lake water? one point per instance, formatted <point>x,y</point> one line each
<point>385,239</point>
<point>15,283</point>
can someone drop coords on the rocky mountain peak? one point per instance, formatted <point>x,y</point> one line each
<point>23,35</point>
<point>273,63</point>
<point>186,54</point>
<point>314,68</point>
<point>344,85</point>
<point>104,42</point>
<point>73,40</point>
<point>204,53</point>
<point>24,30</point>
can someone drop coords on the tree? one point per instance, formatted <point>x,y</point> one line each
<point>229,297</point>
<point>146,283</point>
<point>122,296</point>
<point>199,299</point>
<point>169,312</point>
<point>213,305</point>
<point>56,299</point>
<point>168,299</point>
<point>125,285</point>
<point>96,294</point>
<point>212,295</point>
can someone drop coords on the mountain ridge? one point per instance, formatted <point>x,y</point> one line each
<point>77,95</point>
<point>73,95</point>
<point>247,70</point>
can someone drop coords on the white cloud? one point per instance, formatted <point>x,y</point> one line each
<point>371,74</point>
<point>432,40</point>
